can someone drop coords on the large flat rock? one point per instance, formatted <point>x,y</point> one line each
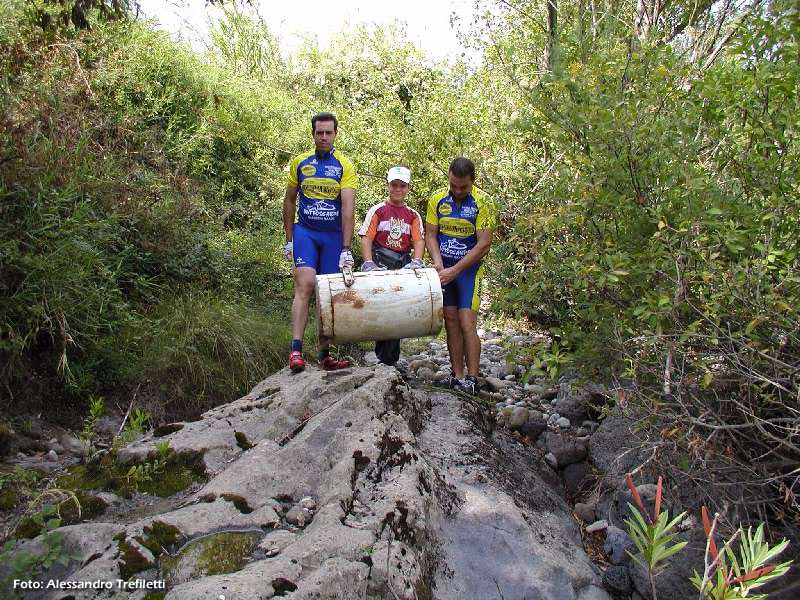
<point>401,494</point>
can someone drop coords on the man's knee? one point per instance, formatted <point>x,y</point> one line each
<point>304,284</point>
<point>451,316</point>
<point>468,322</point>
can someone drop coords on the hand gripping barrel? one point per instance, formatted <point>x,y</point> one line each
<point>379,305</point>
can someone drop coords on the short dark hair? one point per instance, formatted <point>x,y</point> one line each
<point>324,116</point>
<point>463,167</point>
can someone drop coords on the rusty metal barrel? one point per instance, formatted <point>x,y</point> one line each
<point>379,305</point>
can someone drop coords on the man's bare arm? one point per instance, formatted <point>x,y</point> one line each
<point>432,243</point>
<point>348,216</point>
<point>480,250</point>
<point>419,248</point>
<point>366,248</point>
<point>289,207</point>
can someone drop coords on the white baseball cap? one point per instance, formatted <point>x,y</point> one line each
<point>401,173</point>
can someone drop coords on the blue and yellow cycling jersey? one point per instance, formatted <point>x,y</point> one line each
<point>319,180</point>
<point>458,224</point>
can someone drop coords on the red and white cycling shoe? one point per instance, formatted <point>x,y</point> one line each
<point>296,362</point>
<point>331,364</point>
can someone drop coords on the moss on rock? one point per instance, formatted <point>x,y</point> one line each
<point>178,474</point>
<point>8,499</point>
<point>90,507</point>
<point>132,558</point>
<point>6,439</point>
<point>27,529</point>
<point>159,537</point>
<point>213,554</point>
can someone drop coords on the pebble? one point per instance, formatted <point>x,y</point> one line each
<point>563,422</point>
<point>298,515</point>
<point>585,512</point>
<point>73,445</point>
<point>416,365</point>
<point>616,544</point>
<point>550,459</point>
<point>519,416</point>
<point>108,498</point>
<point>592,592</point>
<point>533,429</point>
<point>52,455</point>
<point>426,373</point>
<point>496,384</point>
<point>600,525</point>
<point>616,579</point>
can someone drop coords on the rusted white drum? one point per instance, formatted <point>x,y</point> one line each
<point>380,305</point>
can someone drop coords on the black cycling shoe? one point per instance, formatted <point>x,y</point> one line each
<point>468,385</point>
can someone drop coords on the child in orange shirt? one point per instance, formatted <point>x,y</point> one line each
<point>391,231</point>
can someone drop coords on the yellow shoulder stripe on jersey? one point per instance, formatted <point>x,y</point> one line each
<point>431,215</point>
<point>295,162</point>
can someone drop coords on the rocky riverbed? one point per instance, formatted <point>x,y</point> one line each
<point>375,482</point>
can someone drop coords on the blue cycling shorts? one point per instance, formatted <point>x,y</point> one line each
<point>464,290</point>
<point>318,250</point>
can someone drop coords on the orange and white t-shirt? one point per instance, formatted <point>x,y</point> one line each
<point>392,227</point>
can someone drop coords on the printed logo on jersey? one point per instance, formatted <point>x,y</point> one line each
<point>469,211</point>
<point>445,209</point>
<point>459,228</point>
<point>394,239</point>
<point>333,171</point>
<point>322,211</point>
<point>308,170</point>
<point>453,249</point>
<point>319,188</point>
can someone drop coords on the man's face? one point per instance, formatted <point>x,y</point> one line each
<point>324,136</point>
<point>460,187</point>
<point>398,190</point>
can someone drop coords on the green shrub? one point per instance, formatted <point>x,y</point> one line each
<point>205,348</point>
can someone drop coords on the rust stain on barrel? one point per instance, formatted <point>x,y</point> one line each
<point>378,291</point>
<point>397,288</point>
<point>348,297</point>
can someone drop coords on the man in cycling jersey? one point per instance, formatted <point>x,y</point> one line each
<point>459,224</point>
<point>318,219</point>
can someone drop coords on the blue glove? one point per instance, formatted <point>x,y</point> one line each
<point>416,263</point>
<point>371,266</point>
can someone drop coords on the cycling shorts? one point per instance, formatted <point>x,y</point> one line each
<point>318,250</point>
<point>463,291</point>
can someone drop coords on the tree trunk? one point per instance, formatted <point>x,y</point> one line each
<point>551,48</point>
